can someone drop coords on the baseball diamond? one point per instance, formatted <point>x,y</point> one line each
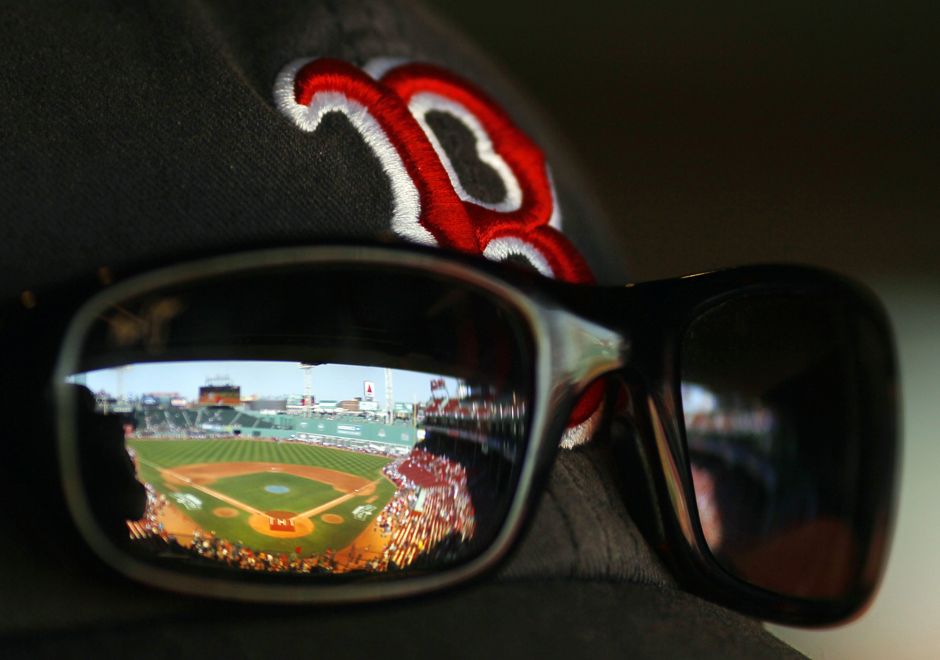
<point>274,497</point>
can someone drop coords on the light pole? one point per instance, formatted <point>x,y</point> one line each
<point>308,388</point>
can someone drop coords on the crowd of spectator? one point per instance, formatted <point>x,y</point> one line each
<point>236,555</point>
<point>206,545</point>
<point>150,525</point>
<point>431,503</point>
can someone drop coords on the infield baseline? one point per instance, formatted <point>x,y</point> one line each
<point>204,489</point>
<point>310,513</point>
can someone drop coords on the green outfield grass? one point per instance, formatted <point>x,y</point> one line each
<point>169,453</point>
<point>301,494</point>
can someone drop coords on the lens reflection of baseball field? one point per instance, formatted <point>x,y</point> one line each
<point>259,504</point>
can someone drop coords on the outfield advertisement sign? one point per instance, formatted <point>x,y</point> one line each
<point>284,426</point>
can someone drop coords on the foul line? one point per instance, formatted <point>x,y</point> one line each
<point>310,513</point>
<point>332,503</point>
<point>204,489</point>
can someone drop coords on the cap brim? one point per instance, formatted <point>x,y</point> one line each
<point>521,619</point>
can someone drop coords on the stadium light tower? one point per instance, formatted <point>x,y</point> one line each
<point>389,404</point>
<point>308,388</point>
<point>121,372</point>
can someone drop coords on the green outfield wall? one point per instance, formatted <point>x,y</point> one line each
<point>355,430</point>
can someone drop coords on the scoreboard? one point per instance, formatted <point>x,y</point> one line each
<point>220,395</point>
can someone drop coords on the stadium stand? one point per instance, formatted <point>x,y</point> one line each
<point>244,420</point>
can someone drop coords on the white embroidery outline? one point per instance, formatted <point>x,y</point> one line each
<point>406,203</point>
<point>503,247</point>
<point>424,102</point>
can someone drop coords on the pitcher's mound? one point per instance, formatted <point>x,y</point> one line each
<point>331,519</point>
<point>225,512</point>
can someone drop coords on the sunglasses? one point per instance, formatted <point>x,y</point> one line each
<point>348,423</point>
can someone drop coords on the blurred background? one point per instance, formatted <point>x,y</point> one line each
<point>725,133</point>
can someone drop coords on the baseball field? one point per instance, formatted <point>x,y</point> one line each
<point>268,496</point>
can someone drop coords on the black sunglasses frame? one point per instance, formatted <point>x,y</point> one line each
<point>654,317</point>
<point>569,352</point>
<point>651,319</point>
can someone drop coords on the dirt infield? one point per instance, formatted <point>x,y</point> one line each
<point>178,524</point>
<point>370,543</point>
<point>278,524</point>
<point>204,474</point>
<point>265,496</point>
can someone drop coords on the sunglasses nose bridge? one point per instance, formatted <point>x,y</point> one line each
<point>579,351</point>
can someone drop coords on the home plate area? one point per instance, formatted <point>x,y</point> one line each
<point>281,521</point>
<point>305,504</point>
<point>281,524</point>
<point>256,488</point>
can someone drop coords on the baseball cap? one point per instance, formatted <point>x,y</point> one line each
<point>140,134</point>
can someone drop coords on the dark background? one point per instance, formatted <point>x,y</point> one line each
<point>741,131</point>
<point>731,132</point>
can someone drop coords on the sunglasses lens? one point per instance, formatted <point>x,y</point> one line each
<point>789,424</point>
<point>306,421</point>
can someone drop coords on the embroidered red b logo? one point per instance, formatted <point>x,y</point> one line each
<point>389,104</point>
<point>390,109</point>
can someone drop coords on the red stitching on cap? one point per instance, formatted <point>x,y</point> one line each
<point>530,221</point>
